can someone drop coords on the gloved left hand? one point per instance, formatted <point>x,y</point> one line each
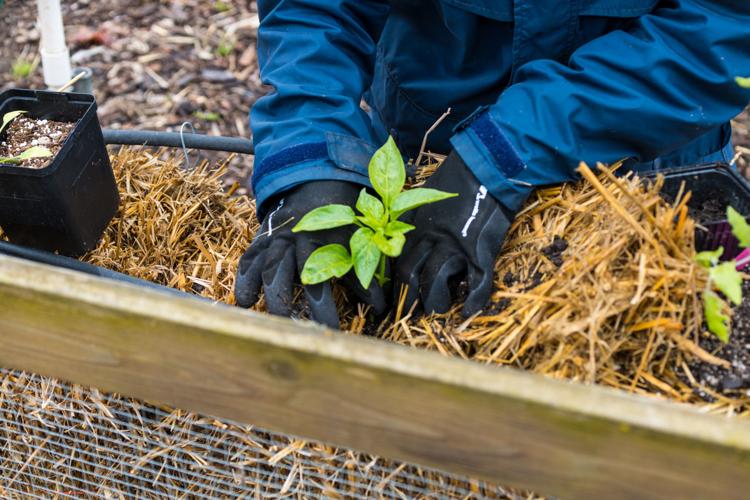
<point>458,237</point>
<point>277,255</point>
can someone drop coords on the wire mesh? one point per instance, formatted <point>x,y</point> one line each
<point>68,441</point>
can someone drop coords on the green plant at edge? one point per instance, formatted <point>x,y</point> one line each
<point>208,116</point>
<point>380,234</point>
<point>221,7</point>
<point>225,48</point>
<point>743,82</point>
<point>9,117</point>
<point>32,152</point>
<point>23,68</point>
<point>226,45</point>
<point>724,277</point>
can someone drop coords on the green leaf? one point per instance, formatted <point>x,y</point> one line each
<point>743,82</point>
<point>387,173</point>
<point>365,255</point>
<point>209,116</point>
<point>369,206</point>
<point>390,246</point>
<point>708,259</point>
<point>413,198</point>
<point>728,280</point>
<point>718,323</point>
<point>397,227</point>
<point>369,222</point>
<point>740,227</point>
<point>330,261</point>
<point>34,152</point>
<point>326,217</point>
<point>9,117</point>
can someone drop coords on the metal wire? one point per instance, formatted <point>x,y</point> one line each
<point>258,438</point>
<point>186,463</point>
<point>57,437</point>
<point>277,477</point>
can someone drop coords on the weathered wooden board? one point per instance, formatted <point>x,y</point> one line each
<point>502,425</point>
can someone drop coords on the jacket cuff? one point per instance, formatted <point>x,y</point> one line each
<point>492,158</point>
<point>339,157</point>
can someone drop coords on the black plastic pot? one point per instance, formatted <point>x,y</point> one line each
<point>717,184</point>
<point>66,206</point>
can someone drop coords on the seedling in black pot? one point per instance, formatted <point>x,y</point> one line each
<point>57,189</point>
<point>720,202</point>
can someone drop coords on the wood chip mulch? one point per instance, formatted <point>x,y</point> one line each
<point>156,65</point>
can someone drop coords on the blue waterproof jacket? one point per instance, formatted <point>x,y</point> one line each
<point>535,86</point>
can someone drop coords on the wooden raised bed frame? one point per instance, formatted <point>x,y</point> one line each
<point>502,425</point>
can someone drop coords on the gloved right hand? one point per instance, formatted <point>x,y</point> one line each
<point>276,256</point>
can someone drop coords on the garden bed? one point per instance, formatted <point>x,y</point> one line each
<point>596,283</point>
<point>580,295</point>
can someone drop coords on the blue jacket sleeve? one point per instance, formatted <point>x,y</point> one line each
<point>318,55</point>
<point>640,93</point>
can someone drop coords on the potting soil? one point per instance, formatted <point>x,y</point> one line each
<point>24,132</point>
<point>714,382</point>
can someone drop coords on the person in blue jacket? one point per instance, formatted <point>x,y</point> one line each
<point>535,87</point>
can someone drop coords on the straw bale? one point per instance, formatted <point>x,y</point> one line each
<point>596,283</point>
<point>176,227</point>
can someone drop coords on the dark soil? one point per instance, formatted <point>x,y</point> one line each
<point>555,251</point>
<point>24,133</point>
<point>736,351</point>
<point>495,308</point>
<point>530,278</point>
<point>710,211</point>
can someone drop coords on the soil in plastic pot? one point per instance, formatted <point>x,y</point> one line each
<point>24,132</point>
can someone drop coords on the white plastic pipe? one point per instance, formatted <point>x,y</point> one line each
<point>55,55</point>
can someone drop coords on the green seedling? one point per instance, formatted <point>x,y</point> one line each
<point>743,82</point>
<point>724,277</point>
<point>380,234</point>
<point>9,117</point>
<point>225,48</point>
<point>22,68</point>
<point>32,152</point>
<point>226,45</point>
<point>208,116</point>
<point>221,7</point>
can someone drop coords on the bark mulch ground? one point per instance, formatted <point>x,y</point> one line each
<point>156,65</point>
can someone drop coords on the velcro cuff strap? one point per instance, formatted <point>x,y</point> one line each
<point>292,156</point>
<point>497,144</point>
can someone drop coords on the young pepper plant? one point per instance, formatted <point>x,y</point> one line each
<point>725,277</point>
<point>380,234</point>
<point>32,152</point>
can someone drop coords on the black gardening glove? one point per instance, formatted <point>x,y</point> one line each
<point>456,238</point>
<point>277,255</point>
